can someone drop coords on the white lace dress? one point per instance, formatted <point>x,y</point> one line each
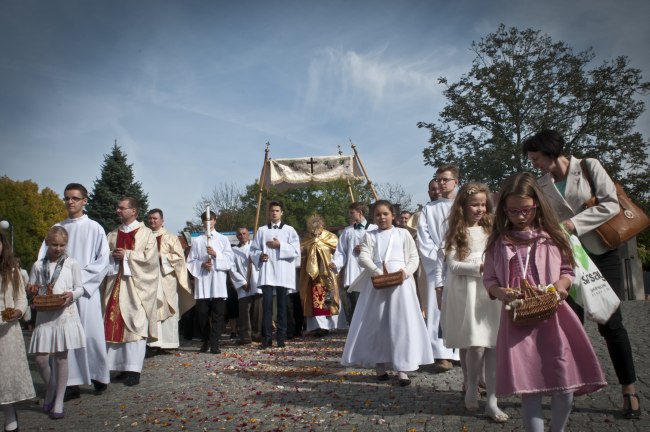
<point>15,380</point>
<point>58,330</point>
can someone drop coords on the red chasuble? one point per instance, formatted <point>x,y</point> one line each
<point>113,321</point>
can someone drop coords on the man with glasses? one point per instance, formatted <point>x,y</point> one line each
<point>131,287</point>
<point>87,244</point>
<point>432,227</point>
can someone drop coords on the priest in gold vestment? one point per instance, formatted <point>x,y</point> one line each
<point>130,290</point>
<point>174,294</point>
<point>319,292</point>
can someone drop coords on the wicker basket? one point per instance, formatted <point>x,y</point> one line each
<point>7,314</point>
<point>535,306</point>
<point>49,301</point>
<point>387,280</point>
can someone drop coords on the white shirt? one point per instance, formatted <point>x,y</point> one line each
<point>239,272</point>
<point>344,256</point>
<point>432,228</point>
<point>280,269</point>
<point>210,283</point>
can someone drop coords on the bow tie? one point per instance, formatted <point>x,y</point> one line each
<point>358,226</point>
<point>275,227</point>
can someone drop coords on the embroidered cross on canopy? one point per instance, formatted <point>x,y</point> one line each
<point>290,173</point>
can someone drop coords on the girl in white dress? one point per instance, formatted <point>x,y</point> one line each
<point>15,378</point>
<point>60,330</point>
<point>387,329</point>
<point>469,318</point>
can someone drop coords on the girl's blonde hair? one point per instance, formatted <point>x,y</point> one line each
<point>525,185</point>
<point>54,232</point>
<point>457,236</point>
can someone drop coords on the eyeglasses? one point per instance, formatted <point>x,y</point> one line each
<point>444,180</point>
<point>73,199</point>
<point>524,211</point>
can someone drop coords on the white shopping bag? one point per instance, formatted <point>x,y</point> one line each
<point>590,289</point>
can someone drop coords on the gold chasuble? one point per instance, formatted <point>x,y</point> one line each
<point>175,293</point>
<point>129,301</point>
<point>319,292</point>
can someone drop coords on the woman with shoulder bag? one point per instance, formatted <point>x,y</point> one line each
<point>568,189</point>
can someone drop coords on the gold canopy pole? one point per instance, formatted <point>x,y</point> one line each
<point>349,184</point>
<point>363,169</point>
<point>261,187</point>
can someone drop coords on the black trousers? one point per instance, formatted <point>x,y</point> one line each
<point>210,318</point>
<point>614,332</point>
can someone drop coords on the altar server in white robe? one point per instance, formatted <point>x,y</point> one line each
<point>275,252</point>
<point>174,294</point>
<point>210,259</point>
<point>346,256</point>
<point>432,227</point>
<point>88,246</point>
<point>244,276</point>
<point>130,291</point>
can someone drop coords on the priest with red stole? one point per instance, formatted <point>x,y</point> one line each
<point>131,286</point>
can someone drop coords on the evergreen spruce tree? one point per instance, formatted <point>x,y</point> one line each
<point>115,182</point>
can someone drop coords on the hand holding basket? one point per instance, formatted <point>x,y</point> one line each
<point>537,304</point>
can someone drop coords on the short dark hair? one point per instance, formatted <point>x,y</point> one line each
<point>204,216</point>
<point>358,206</point>
<point>548,142</point>
<point>275,203</point>
<point>453,169</point>
<point>78,187</point>
<point>133,202</point>
<point>156,210</point>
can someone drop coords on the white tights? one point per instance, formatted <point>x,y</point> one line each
<point>475,357</point>
<point>531,407</point>
<point>55,386</point>
<point>11,421</point>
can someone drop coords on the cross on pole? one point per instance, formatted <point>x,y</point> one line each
<point>311,163</point>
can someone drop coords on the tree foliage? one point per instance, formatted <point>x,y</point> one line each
<point>521,82</point>
<point>31,214</point>
<point>116,181</point>
<point>237,207</point>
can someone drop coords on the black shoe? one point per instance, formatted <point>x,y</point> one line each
<point>266,345</point>
<point>281,344</point>
<point>120,376</point>
<point>404,382</point>
<point>100,387</point>
<point>233,335</point>
<point>133,378</point>
<point>629,413</point>
<point>215,350</point>
<point>71,392</point>
<point>383,377</point>
<point>204,347</point>
<point>243,342</point>
<point>151,352</point>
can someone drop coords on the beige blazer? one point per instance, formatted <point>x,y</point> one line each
<point>577,192</point>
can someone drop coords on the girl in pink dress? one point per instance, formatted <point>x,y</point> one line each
<point>552,357</point>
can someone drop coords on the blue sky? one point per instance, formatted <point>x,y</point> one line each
<point>192,90</point>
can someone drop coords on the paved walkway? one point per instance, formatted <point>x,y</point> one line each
<point>303,387</point>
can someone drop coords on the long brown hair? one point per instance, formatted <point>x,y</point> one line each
<point>457,236</point>
<point>524,185</point>
<point>8,266</point>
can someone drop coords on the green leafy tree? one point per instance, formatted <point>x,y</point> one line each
<point>31,214</point>
<point>116,181</point>
<point>521,82</point>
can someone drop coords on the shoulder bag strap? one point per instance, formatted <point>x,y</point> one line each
<point>585,172</point>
